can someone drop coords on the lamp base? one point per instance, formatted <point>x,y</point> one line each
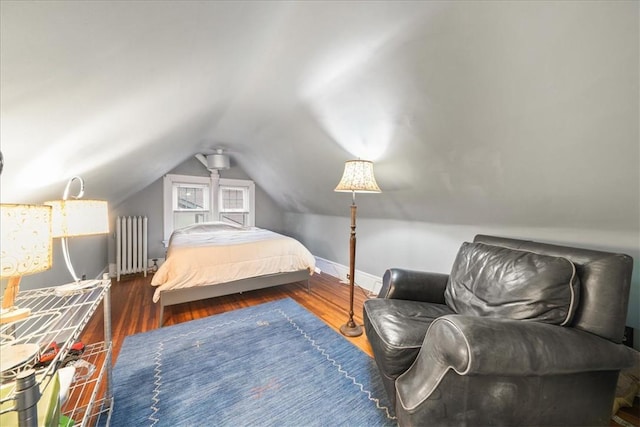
<point>73,287</point>
<point>350,329</point>
<point>8,315</point>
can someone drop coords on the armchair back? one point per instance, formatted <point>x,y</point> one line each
<point>605,279</point>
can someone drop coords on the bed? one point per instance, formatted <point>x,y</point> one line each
<point>213,259</point>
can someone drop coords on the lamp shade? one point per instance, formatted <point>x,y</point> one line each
<point>358,177</point>
<point>79,217</point>
<point>25,239</point>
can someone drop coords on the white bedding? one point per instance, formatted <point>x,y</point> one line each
<point>212,253</point>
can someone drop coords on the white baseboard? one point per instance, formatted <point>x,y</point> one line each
<point>364,280</point>
<point>104,271</point>
<point>113,272</point>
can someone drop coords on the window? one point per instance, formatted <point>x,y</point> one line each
<point>190,204</point>
<point>187,200</point>
<point>235,201</point>
<point>233,205</point>
<point>192,199</point>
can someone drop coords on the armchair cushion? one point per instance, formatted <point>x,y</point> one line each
<point>400,283</point>
<point>494,281</point>
<point>399,327</point>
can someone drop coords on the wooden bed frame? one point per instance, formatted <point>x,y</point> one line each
<point>197,293</point>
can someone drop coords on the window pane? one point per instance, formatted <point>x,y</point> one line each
<point>233,199</point>
<point>190,197</point>
<point>234,218</point>
<point>183,219</point>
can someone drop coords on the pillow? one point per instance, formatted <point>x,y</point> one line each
<point>207,227</point>
<point>493,281</point>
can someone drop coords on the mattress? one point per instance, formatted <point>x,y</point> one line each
<point>213,253</point>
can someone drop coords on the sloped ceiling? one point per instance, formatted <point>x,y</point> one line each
<point>512,113</point>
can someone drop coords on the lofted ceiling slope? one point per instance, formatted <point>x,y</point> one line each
<point>511,113</point>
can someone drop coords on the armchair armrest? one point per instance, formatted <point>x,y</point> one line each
<point>472,345</point>
<point>398,283</point>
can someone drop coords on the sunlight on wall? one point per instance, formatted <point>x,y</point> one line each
<point>358,90</point>
<point>360,126</point>
<point>97,137</point>
<point>94,143</point>
<point>357,115</point>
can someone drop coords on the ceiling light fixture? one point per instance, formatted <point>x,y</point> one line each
<point>216,161</point>
<point>219,160</point>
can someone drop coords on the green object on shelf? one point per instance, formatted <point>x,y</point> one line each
<point>48,405</point>
<point>66,421</point>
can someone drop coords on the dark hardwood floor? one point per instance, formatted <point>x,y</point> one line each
<point>629,415</point>
<point>132,312</point>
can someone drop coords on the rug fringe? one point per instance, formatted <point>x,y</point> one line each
<point>622,422</point>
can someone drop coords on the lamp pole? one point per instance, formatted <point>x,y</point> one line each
<point>351,329</point>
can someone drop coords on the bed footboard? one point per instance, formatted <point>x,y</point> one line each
<point>197,293</point>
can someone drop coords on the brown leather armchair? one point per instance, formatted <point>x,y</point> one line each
<point>520,333</point>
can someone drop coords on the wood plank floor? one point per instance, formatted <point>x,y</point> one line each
<point>132,312</point>
<point>631,415</point>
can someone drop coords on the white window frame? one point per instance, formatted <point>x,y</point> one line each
<point>249,188</point>
<point>245,199</point>
<point>169,183</point>
<point>206,201</point>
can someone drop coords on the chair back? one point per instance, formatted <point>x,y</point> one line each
<point>605,279</point>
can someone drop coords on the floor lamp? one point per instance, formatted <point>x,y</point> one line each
<point>357,178</point>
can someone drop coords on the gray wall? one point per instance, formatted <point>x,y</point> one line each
<point>432,247</point>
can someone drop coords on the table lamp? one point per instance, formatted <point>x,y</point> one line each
<point>77,217</point>
<point>25,248</point>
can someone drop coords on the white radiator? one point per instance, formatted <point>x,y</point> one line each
<point>131,245</point>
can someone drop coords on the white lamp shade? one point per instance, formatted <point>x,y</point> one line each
<point>358,177</point>
<point>79,217</point>
<point>25,239</point>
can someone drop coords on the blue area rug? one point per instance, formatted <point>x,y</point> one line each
<point>274,364</point>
